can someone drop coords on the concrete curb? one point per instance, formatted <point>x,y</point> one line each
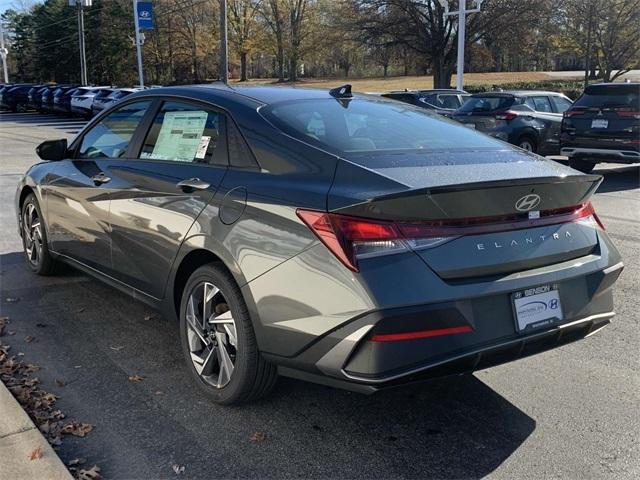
<point>18,438</point>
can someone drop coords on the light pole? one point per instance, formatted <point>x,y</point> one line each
<point>3,52</point>
<point>138,42</point>
<point>80,4</point>
<point>224,59</point>
<point>462,20</point>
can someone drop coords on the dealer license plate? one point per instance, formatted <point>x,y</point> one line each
<point>537,307</point>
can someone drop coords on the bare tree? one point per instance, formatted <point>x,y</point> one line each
<point>273,14</point>
<point>297,12</point>
<point>242,20</point>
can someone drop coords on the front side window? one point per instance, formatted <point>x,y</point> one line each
<point>184,133</point>
<point>488,103</point>
<point>110,137</point>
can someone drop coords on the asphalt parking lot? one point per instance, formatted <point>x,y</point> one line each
<point>571,412</point>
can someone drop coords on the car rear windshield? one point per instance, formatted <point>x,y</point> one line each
<point>372,126</point>
<point>486,103</point>
<point>611,96</point>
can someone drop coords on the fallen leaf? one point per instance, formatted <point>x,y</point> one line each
<point>36,453</point>
<point>60,383</point>
<point>257,437</point>
<point>92,474</point>
<point>178,469</point>
<point>77,429</point>
<point>136,378</point>
<point>29,339</point>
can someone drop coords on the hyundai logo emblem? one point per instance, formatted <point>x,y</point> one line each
<point>528,202</point>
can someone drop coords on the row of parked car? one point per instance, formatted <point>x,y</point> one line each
<point>602,125</point>
<point>66,99</point>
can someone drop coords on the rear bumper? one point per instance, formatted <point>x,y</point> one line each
<point>350,357</point>
<point>602,154</point>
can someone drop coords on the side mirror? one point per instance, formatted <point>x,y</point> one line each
<point>52,149</point>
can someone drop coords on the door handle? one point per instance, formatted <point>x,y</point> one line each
<point>100,178</point>
<point>193,184</point>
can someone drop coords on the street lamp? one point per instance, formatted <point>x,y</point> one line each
<point>462,20</point>
<point>80,4</point>
<point>3,52</point>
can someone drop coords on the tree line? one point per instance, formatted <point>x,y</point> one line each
<point>290,39</point>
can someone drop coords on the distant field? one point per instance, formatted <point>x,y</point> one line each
<point>382,84</point>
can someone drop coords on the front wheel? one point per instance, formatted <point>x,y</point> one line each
<point>218,341</point>
<point>34,237</point>
<point>583,166</point>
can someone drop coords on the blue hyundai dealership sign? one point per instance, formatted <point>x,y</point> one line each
<point>145,16</point>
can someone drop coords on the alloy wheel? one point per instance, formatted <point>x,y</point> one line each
<point>211,334</point>
<point>526,145</point>
<point>32,234</point>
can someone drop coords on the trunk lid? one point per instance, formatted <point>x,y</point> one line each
<point>505,215</point>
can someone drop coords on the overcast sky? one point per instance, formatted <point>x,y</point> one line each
<point>16,4</point>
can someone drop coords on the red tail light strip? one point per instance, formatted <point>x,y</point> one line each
<point>339,232</point>
<point>394,337</point>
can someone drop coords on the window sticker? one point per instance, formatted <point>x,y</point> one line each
<point>180,136</point>
<point>202,147</point>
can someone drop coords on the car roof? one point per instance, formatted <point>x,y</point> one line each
<point>514,93</point>
<point>249,95</point>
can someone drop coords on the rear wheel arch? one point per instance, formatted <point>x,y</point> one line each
<point>190,263</point>
<point>531,138</point>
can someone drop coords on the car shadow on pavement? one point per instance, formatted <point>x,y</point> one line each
<point>94,338</point>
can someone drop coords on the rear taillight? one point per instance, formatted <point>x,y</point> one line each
<point>628,113</point>
<point>508,115</point>
<point>572,113</point>
<point>353,238</point>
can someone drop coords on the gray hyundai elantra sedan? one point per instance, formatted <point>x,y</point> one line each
<point>338,238</point>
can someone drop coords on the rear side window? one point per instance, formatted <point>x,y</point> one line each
<point>110,137</point>
<point>363,125</point>
<point>610,96</point>
<point>539,104</point>
<point>184,133</point>
<point>487,103</point>
<point>562,104</point>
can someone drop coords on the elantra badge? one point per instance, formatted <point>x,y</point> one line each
<point>528,202</point>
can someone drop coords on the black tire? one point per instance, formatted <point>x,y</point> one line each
<point>252,377</point>
<point>528,143</point>
<point>43,263</point>
<point>583,166</point>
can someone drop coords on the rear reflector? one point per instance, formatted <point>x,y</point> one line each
<point>352,238</point>
<point>394,337</point>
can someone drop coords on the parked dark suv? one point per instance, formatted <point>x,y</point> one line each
<point>442,101</point>
<point>15,98</point>
<point>529,119</point>
<point>603,126</point>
